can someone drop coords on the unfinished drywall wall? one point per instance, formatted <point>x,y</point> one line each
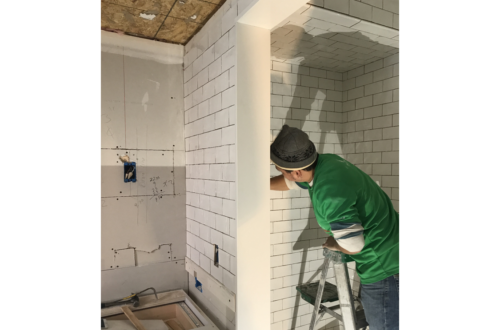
<point>445,132</point>
<point>143,241</point>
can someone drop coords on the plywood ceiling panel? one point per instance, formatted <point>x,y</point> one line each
<point>173,21</point>
<point>114,17</point>
<point>196,11</point>
<point>176,30</point>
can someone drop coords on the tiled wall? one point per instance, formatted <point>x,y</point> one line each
<point>371,122</point>
<point>383,12</point>
<point>209,89</point>
<point>210,137</point>
<point>309,99</point>
<point>446,118</point>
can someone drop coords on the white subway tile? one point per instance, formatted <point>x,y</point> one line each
<point>381,98</point>
<point>222,154</point>
<point>228,59</point>
<point>229,244</point>
<point>229,208</point>
<point>229,280</point>
<point>283,67</point>
<point>214,69</point>
<point>222,119</point>
<point>221,45</point>
<point>229,135</point>
<point>205,202</point>
<point>216,205</point>
<point>229,172</point>
<point>209,155</point>
<point>215,103</point>
<point>205,263</point>
<point>221,83</point>
<point>229,97</point>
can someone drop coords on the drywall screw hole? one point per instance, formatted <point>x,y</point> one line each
<point>117,266</point>
<point>120,192</point>
<point>111,267</point>
<point>117,199</point>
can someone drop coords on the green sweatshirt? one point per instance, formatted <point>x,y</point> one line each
<point>347,199</point>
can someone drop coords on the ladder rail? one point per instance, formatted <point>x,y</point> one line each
<point>348,315</point>
<point>317,304</point>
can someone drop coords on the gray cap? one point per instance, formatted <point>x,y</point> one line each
<point>292,149</point>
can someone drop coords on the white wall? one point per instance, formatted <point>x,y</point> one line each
<point>143,228</point>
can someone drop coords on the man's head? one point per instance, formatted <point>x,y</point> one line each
<point>294,154</point>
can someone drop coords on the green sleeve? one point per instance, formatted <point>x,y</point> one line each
<point>336,207</point>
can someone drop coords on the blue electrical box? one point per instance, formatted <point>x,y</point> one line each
<point>198,284</point>
<point>130,172</point>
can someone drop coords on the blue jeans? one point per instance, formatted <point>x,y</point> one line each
<point>380,301</point>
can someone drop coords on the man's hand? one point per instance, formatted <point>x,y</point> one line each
<point>331,244</point>
<point>278,183</point>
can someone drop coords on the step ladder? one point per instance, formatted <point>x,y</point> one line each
<point>320,292</point>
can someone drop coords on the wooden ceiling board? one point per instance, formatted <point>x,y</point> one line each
<point>173,21</point>
<point>150,6</point>
<point>128,20</point>
<point>177,30</point>
<point>186,9</point>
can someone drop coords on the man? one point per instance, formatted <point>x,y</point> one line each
<point>356,213</point>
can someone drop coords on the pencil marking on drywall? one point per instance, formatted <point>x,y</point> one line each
<point>106,118</point>
<point>137,250</point>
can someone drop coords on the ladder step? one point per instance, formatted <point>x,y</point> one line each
<point>309,291</point>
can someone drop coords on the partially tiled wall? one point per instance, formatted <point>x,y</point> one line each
<point>309,99</point>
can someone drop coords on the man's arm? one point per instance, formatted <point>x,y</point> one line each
<point>278,183</point>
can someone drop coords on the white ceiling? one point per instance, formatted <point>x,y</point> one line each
<point>323,39</point>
